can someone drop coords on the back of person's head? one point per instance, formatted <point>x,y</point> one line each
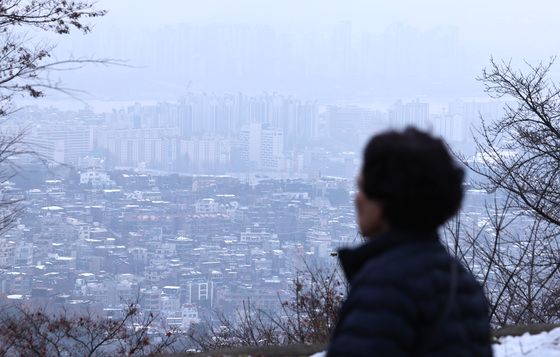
<point>413,176</point>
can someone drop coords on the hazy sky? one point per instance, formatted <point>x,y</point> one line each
<point>371,13</point>
<point>508,22</point>
<point>508,29</point>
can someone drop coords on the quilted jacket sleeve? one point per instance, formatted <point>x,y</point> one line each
<point>377,320</point>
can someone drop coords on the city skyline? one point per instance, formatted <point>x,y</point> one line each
<point>361,52</point>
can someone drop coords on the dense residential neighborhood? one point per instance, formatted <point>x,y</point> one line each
<point>178,244</point>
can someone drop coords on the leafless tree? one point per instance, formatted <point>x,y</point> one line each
<point>26,62</point>
<point>306,314</point>
<point>514,256</point>
<point>513,247</point>
<point>34,332</point>
<point>12,147</point>
<point>248,326</point>
<point>310,312</point>
<point>520,153</point>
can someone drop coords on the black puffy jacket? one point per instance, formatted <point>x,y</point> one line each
<point>409,297</point>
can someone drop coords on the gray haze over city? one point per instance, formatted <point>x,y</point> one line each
<point>372,52</point>
<point>221,153</point>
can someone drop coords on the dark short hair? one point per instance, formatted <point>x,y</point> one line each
<point>414,177</point>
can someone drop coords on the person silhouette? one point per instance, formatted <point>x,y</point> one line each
<point>408,296</point>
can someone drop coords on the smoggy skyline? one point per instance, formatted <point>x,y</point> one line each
<point>353,51</point>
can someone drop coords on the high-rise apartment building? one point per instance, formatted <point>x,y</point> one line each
<point>204,155</point>
<point>414,113</point>
<point>261,148</point>
<point>156,147</point>
<point>63,144</point>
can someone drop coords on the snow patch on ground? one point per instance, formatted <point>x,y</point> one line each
<point>546,344</point>
<point>319,354</point>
